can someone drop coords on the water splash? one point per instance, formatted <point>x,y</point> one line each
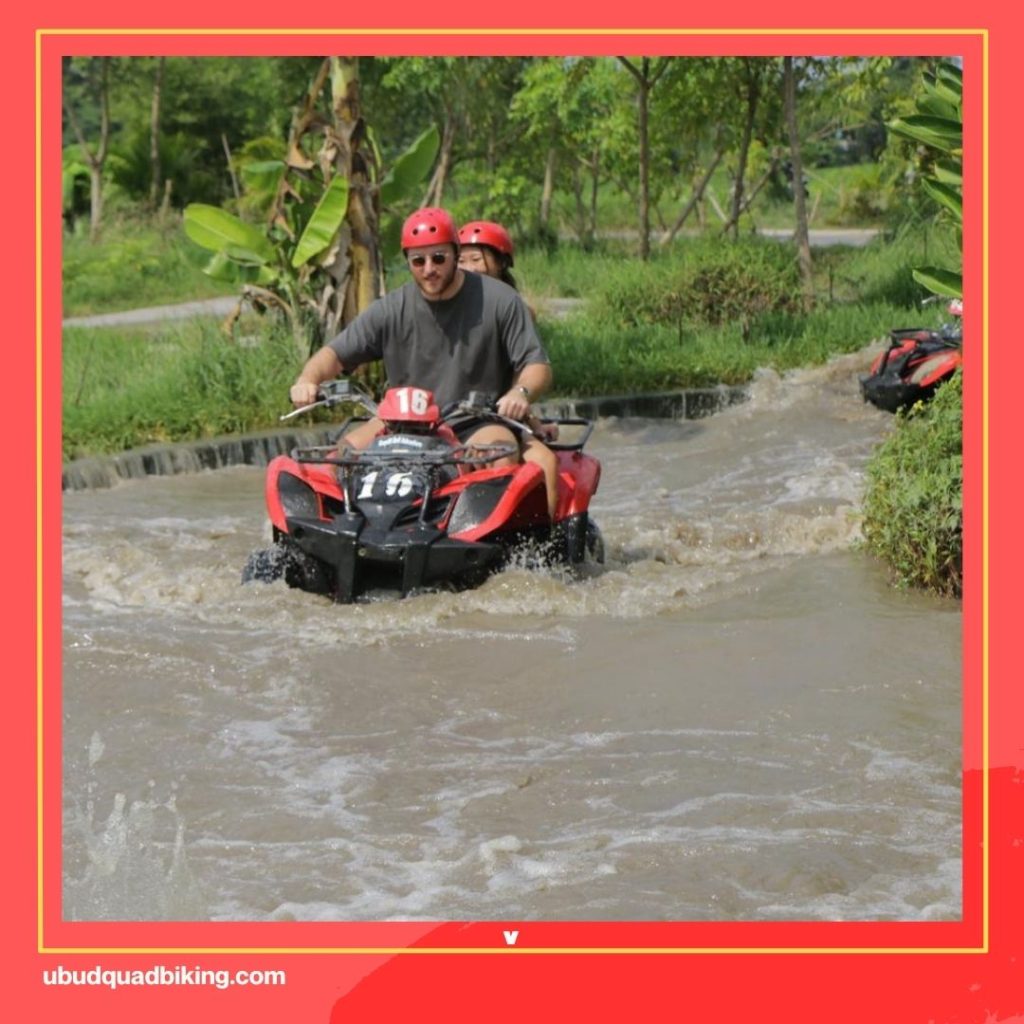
<point>135,867</point>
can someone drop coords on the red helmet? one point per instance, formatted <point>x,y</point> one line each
<point>429,226</point>
<point>487,232</point>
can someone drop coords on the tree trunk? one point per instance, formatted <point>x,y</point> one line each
<point>646,82</point>
<point>362,283</point>
<point>235,190</point>
<point>548,190</point>
<point>595,173</point>
<point>732,223</point>
<point>803,245</point>
<point>155,178</point>
<point>698,194</point>
<point>96,160</point>
<point>95,201</point>
<point>581,209</point>
<point>435,191</point>
<point>645,170</point>
<point>753,92</point>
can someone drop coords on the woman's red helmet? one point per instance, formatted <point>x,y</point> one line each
<point>487,232</point>
<point>429,226</point>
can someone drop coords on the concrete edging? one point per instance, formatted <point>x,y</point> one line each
<point>258,449</point>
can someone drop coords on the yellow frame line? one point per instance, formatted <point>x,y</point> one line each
<point>983,948</point>
<point>653,30</point>
<point>985,750</point>
<point>506,951</point>
<point>39,486</point>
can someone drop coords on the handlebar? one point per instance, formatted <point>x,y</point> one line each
<point>334,392</point>
<point>476,404</point>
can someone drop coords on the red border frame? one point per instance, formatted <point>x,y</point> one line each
<point>959,971</point>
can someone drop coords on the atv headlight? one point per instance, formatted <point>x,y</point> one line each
<point>476,503</point>
<point>297,497</point>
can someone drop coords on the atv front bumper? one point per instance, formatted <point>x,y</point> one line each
<point>415,555</point>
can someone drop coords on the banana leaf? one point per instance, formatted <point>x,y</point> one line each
<point>323,225</point>
<point>945,195</point>
<point>939,132</point>
<point>262,176</point>
<point>222,268</point>
<point>216,229</point>
<point>411,167</point>
<point>950,172</point>
<point>940,281</point>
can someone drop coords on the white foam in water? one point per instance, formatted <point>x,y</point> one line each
<point>654,738</point>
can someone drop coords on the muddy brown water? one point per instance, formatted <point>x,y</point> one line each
<point>735,718</point>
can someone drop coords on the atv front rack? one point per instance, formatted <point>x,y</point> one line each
<point>464,455</point>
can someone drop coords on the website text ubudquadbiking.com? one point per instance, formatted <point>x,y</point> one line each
<point>161,975</point>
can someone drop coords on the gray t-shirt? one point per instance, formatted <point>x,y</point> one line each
<point>478,340</point>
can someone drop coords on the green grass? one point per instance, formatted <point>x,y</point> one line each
<point>137,262</point>
<point>913,505</point>
<point>122,389</point>
<point>704,312</point>
<point>591,358</point>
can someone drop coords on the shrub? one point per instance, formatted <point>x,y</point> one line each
<point>913,507</point>
<point>710,283</point>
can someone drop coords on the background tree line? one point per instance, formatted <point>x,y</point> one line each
<point>545,144</point>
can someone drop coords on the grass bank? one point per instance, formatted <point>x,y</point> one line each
<point>129,387</point>
<point>139,261</point>
<point>706,312</point>
<point>913,507</point>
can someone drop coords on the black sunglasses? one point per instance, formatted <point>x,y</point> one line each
<point>439,259</point>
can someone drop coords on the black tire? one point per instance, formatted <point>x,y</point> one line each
<point>287,562</point>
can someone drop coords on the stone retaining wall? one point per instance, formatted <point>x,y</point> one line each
<point>259,449</point>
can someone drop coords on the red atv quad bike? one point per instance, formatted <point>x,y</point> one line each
<point>916,362</point>
<point>417,509</point>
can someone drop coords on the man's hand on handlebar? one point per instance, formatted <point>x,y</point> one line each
<point>514,404</point>
<point>304,393</point>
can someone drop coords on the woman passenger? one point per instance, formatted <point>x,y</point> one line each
<point>485,247</point>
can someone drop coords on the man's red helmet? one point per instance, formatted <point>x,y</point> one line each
<point>487,232</point>
<point>429,226</point>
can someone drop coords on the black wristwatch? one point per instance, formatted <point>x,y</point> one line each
<point>525,391</point>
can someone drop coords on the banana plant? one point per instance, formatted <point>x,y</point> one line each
<point>329,214</point>
<point>73,171</point>
<point>938,124</point>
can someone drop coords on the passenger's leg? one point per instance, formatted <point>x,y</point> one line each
<point>494,433</point>
<point>538,452</point>
<point>359,437</point>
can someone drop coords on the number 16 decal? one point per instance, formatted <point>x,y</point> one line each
<point>413,400</point>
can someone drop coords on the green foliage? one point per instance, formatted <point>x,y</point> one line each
<point>141,262</point>
<point>913,515</point>
<point>913,507</point>
<point>589,356</point>
<point>410,169</point>
<point>862,198</point>
<point>323,222</point>
<point>716,282</point>
<point>290,254</point>
<point>938,125</point>
<point>124,389</point>
<point>881,270</point>
<point>219,231</point>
